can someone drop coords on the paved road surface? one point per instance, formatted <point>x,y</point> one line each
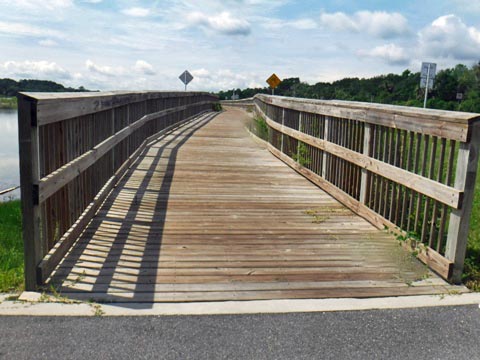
<point>428,333</point>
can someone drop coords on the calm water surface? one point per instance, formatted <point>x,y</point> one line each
<point>9,170</point>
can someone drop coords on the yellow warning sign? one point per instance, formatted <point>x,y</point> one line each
<point>274,81</point>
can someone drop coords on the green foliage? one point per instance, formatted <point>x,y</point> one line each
<point>217,107</point>
<point>472,261</point>
<point>302,156</point>
<point>11,246</point>
<point>10,88</point>
<point>8,103</point>
<point>394,89</point>
<point>260,128</point>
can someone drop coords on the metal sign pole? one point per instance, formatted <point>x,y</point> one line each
<point>426,87</point>
<point>185,77</point>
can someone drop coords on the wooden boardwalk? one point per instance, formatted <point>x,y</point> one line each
<point>208,214</point>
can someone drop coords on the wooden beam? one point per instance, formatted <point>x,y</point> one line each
<point>427,255</point>
<point>367,135</point>
<point>6,191</point>
<point>50,184</point>
<point>446,124</point>
<point>55,107</point>
<point>458,228</point>
<point>57,253</point>
<point>435,190</point>
<point>29,177</point>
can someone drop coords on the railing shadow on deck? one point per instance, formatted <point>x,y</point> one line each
<point>140,288</point>
<point>74,148</point>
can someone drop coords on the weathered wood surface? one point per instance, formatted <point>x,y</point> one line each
<point>445,194</point>
<point>400,167</point>
<point>447,124</point>
<point>208,214</point>
<point>73,147</point>
<point>78,104</point>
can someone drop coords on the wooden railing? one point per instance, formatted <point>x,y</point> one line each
<point>411,170</point>
<point>73,150</point>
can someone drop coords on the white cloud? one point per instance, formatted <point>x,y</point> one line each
<point>144,67</point>
<point>467,6</point>
<point>377,23</point>
<point>34,70</point>
<point>300,24</point>
<point>223,23</point>
<point>390,53</point>
<point>449,37</point>
<point>223,79</point>
<point>104,70</point>
<point>136,12</point>
<point>21,29</point>
<point>36,4</point>
<point>48,43</point>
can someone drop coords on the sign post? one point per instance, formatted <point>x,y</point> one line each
<point>185,77</point>
<point>427,77</point>
<point>273,81</point>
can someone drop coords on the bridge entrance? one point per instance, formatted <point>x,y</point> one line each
<point>207,214</point>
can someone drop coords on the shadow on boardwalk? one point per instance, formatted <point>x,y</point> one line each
<point>161,158</point>
<point>206,214</point>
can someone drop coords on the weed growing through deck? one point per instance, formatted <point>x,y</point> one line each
<point>317,219</point>
<point>11,247</point>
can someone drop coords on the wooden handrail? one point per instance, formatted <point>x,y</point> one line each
<point>74,147</point>
<point>392,165</point>
<point>80,104</point>
<point>53,182</point>
<point>447,124</point>
<point>445,194</point>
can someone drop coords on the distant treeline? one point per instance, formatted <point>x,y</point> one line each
<point>9,87</point>
<point>395,89</point>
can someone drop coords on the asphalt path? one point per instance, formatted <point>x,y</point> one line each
<point>426,333</point>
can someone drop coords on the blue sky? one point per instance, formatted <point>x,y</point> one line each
<point>105,44</point>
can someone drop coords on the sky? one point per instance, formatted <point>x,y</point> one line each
<point>225,44</point>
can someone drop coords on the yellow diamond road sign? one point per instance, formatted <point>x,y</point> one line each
<point>273,81</point>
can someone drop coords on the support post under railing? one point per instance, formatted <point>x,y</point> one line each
<point>299,129</point>
<point>282,135</point>
<point>29,180</point>
<point>326,131</point>
<point>366,151</point>
<point>467,163</point>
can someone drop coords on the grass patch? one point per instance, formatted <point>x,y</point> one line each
<point>8,103</point>
<point>471,276</point>
<point>11,247</point>
<point>217,107</point>
<point>259,127</point>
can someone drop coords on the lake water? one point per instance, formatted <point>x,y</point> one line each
<point>9,169</point>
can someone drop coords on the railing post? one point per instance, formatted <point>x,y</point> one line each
<point>283,124</point>
<point>325,137</point>
<point>366,151</point>
<point>29,180</point>
<point>112,133</point>
<point>298,141</point>
<point>458,227</point>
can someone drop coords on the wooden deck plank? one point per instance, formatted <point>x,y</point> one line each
<point>207,214</point>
